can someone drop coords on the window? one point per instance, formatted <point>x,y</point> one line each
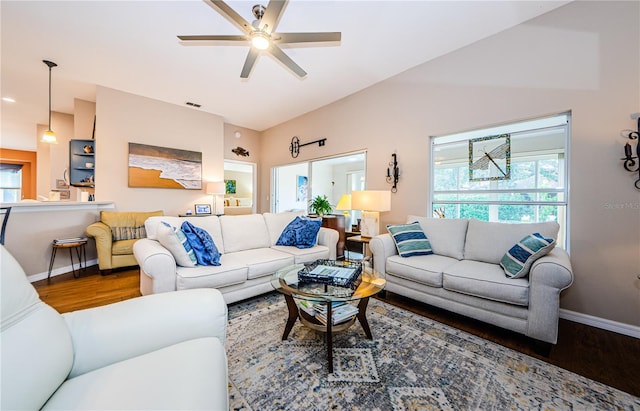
<point>512,173</point>
<point>10,183</point>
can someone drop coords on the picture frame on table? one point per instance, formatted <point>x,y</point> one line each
<point>202,209</point>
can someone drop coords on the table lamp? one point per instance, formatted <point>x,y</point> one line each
<point>216,188</point>
<point>371,202</point>
<point>344,204</point>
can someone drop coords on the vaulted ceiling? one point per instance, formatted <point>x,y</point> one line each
<point>132,46</point>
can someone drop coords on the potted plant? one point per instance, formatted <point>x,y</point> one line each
<point>320,205</point>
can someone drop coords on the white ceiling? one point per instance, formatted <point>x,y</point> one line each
<point>132,46</point>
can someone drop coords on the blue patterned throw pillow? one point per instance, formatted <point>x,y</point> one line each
<point>302,232</point>
<point>410,239</point>
<point>202,244</point>
<point>518,260</point>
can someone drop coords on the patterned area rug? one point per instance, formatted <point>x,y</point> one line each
<point>413,363</point>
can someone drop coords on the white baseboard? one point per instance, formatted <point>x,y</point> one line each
<point>617,327</point>
<point>58,271</point>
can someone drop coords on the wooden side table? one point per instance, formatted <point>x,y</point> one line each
<point>78,245</point>
<point>362,241</point>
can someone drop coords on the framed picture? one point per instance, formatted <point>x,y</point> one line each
<point>162,167</point>
<point>490,158</point>
<point>302,185</point>
<point>203,209</point>
<point>229,186</point>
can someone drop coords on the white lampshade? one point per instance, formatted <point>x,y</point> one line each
<point>371,200</point>
<point>344,204</point>
<point>215,187</point>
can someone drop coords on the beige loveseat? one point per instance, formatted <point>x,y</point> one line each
<point>249,254</point>
<point>463,274</point>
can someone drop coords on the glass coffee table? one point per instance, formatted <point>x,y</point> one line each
<point>286,281</point>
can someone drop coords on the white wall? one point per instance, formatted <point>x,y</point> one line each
<point>124,118</point>
<point>583,57</point>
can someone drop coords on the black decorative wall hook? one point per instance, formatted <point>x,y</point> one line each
<point>393,173</point>
<point>294,148</point>
<point>630,163</point>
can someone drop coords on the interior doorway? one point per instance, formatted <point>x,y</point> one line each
<point>240,183</point>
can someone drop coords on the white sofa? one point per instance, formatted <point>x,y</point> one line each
<point>149,353</point>
<point>464,276</point>
<point>249,255</point>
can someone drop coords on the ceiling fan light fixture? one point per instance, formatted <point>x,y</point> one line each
<point>260,40</point>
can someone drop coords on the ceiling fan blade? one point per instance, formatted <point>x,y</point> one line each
<point>272,15</point>
<point>283,38</point>
<point>286,60</point>
<point>224,9</point>
<point>214,38</point>
<point>249,62</point>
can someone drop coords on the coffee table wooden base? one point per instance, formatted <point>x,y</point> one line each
<point>295,313</point>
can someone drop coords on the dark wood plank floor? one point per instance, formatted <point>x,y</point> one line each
<point>601,355</point>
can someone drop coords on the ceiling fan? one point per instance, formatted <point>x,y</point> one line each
<point>261,34</point>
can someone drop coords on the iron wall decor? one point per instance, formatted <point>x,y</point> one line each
<point>393,173</point>
<point>294,148</point>
<point>161,167</point>
<point>630,163</point>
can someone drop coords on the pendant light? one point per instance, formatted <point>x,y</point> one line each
<point>49,136</point>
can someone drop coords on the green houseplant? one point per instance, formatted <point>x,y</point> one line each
<point>320,205</point>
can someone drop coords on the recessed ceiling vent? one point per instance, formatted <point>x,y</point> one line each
<point>196,105</point>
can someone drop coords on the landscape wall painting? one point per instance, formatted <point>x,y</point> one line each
<point>161,167</point>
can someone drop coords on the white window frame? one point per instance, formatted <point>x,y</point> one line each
<point>562,120</point>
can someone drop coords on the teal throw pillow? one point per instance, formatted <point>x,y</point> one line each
<point>410,239</point>
<point>518,260</point>
<point>174,240</point>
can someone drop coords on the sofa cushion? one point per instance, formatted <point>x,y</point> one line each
<point>410,239</point>
<point>202,244</point>
<point>485,280</point>
<point>122,247</point>
<point>302,232</point>
<point>128,233</point>
<point>244,232</point>
<point>276,222</point>
<point>518,260</point>
<point>446,235</point>
<point>489,241</point>
<point>174,240</point>
<point>230,271</point>
<point>262,261</point>
<point>423,269</point>
<point>305,255</point>
<point>186,376</point>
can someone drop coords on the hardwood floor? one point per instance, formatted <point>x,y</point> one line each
<point>604,356</point>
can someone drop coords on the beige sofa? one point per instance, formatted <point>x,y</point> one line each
<point>463,274</point>
<point>157,352</point>
<point>249,255</point>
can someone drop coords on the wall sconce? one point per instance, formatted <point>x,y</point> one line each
<point>630,163</point>
<point>393,173</point>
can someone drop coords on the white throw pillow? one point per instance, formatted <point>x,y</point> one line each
<point>174,240</point>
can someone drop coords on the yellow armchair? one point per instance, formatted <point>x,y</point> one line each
<point>115,234</point>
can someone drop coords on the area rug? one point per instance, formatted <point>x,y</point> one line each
<point>412,363</point>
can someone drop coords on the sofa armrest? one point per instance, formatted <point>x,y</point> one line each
<point>104,241</point>
<point>548,276</point>
<point>116,332</point>
<point>382,247</point>
<point>328,237</point>
<point>157,263</point>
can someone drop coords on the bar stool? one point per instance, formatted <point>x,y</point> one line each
<point>78,245</point>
